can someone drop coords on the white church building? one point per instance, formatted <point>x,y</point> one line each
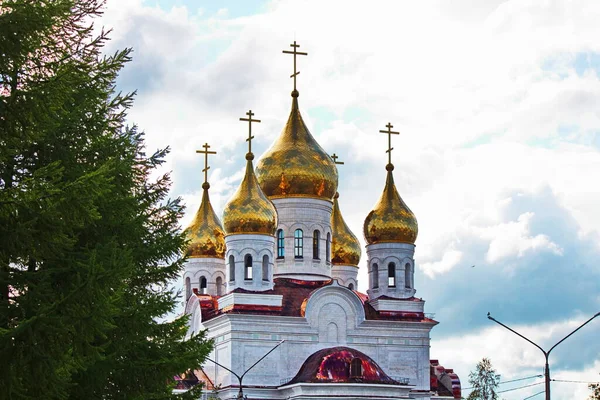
<point>281,271</point>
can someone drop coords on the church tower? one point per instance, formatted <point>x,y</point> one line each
<point>204,270</point>
<point>250,221</point>
<point>300,179</point>
<point>390,230</point>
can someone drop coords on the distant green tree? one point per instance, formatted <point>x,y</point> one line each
<point>595,388</point>
<point>484,381</point>
<point>88,241</point>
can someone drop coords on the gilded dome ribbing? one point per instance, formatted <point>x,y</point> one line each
<point>296,166</point>
<point>205,233</point>
<point>345,248</point>
<point>391,220</point>
<point>249,210</point>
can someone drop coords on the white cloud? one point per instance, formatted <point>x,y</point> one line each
<point>449,260</point>
<point>512,239</point>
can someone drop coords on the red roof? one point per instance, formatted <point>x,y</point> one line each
<point>295,293</point>
<point>333,365</point>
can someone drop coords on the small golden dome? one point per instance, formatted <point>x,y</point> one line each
<point>391,220</point>
<point>205,233</point>
<point>249,210</point>
<point>345,248</point>
<point>296,166</point>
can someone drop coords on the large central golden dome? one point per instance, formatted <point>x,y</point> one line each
<point>391,220</point>
<point>249,210</point>
<point>296,166</point>
<point>345,248</point>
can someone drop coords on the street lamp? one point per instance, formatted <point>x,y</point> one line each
<point>240,395</point>
<point>546,353</point>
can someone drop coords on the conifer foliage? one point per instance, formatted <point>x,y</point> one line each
<point>595,388</point>
<point>484,381</point>
<point>88,241</point>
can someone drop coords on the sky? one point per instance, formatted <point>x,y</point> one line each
<point>497,104</point>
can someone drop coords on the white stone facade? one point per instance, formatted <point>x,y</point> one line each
<point>249,262</point>
<point>205,274</point>
<point>345,275</point>
<point>308,216</point>
<point>382,258</point>
<point>334,316</point>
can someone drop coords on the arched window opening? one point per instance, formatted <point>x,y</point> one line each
<point>328,248</point>
<point>202,285</point>
<point>316,240</point>
<point>298,243</point>
<point>351,286</point>
<point>356,368</point>
<point>280,244</point>
<point>188,288</point>
<point>265,268</point>
<point>407,274</point>
<point>248,267</point>
<point>391,275</point>
<point>231,269</point>
<point>219,286</point>
<point>375,276</point>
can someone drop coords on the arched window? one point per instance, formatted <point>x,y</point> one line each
<point>219,286</point>
<point>407,276</point>
<point>391,275</point>
<point>231,269</point>
<point>356,368</point>
<point>188,288</point>
<point>280,244</point>
<point>375,276</point>
<point>265,268</point>
<point>202,285</point>
<point>351,286</point>
<point>248,267</point>
<point>316,240</point>
<point>328,248</point>
<point>298,243</point>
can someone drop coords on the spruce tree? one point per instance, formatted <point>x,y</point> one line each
<point>88,242</point>
<point>595,388</point>
<point>484,381</point>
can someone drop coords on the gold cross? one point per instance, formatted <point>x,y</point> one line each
<point>250,121</point>
<point>295,53</point>
<point>335,161</point>
<point>389,132</point>
<point>206,152</point>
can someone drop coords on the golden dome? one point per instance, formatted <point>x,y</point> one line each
<point>391,220</point>
<point>296,166</point>
<point>345,248</point>
<point>205,233</point>
<point>249,210</point>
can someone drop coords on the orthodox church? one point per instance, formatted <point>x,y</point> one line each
<point>275,284</point>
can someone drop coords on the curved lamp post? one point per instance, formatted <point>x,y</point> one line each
<point>240,378</point>
<point>546,353</point>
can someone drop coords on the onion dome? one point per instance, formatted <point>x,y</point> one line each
<point>341,365</point>
<point>205,233</point>
<point>296,166</point>
<point>391,220</point>
<point>249,210</point>
<point>345,248</point>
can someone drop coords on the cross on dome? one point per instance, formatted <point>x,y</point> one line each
<point>389,132</point>
<point>206,152</point>
<point>250,121</point>
<point>335,161</point>
<point>295,53</point>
